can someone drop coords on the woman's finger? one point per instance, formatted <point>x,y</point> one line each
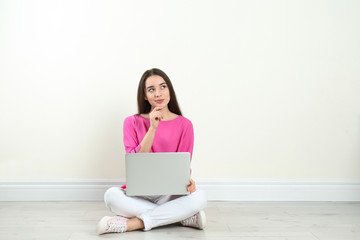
<point>158,116</point>
<point>157,109</point>
<point>191,187</point>
<point>155,112</point>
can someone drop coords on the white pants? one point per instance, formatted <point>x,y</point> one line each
<point>155,211</point>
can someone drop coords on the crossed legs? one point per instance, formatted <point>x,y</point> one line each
<point>147,212</point>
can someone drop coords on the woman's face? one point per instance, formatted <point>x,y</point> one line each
<point>157,91</point>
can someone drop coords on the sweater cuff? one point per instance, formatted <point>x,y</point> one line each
<point>136,150</point>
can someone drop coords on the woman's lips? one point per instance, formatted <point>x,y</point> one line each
<point>159,101</point>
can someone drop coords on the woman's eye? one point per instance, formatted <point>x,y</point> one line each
<point>163,86</point>
<point>151,90</point>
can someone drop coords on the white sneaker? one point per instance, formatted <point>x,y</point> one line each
<point>115,224</point>
<point>196,221</point>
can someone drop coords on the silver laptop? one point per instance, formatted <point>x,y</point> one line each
<point>157,173</point>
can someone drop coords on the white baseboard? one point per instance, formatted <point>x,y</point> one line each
<point>216,189</point>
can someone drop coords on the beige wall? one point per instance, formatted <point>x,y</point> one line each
<point>272,87</point>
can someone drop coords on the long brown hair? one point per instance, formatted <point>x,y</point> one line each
<point>143,105</point>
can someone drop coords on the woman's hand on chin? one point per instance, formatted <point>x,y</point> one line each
<point>155,117</point>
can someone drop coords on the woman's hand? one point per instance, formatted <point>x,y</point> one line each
<point>155,117</point>
<point>191,187</point>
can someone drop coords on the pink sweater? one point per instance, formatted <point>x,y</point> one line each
<point>176,135</point>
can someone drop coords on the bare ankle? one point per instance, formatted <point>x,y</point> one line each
<point>134,224</point>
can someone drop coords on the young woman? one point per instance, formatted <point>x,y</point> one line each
<point>158,127</point>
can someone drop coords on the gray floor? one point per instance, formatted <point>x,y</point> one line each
<point>226,220</point>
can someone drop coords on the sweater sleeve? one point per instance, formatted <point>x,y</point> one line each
<point>187,139</point>
<point>131,142</point>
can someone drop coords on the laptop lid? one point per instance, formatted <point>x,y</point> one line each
<point>157,173</point>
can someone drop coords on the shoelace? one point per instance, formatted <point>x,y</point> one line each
<point>116,226</point>
<point>191,220</point>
